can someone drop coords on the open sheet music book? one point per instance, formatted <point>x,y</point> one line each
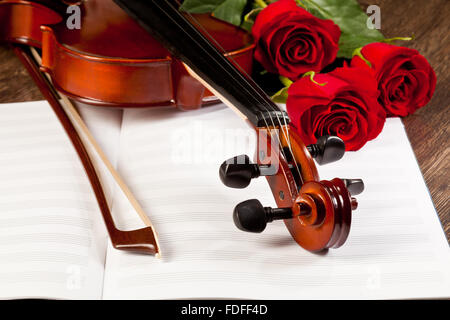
<point>53,243</point>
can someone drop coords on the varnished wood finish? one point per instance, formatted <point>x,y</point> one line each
<point>306,163</point>
<point>141,240</point>
<point>328,223</point>
<point>187,42</point>
<point>20,20</point>
<point>427,128</point>
<point>111,61</point>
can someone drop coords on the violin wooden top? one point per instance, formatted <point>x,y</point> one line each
<point>103,23</point>
<point>111,60</point>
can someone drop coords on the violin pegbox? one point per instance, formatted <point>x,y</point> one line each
<point>317,213</point>
<point>327,149</point>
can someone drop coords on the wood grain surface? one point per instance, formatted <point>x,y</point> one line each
<point>428,128</point>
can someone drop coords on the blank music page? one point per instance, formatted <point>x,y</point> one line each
<point>171,159</point>
<point>49,246</point>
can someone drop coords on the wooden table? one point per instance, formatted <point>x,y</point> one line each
<point>428,128</point>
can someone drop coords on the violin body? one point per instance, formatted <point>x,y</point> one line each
<point>111,60</point>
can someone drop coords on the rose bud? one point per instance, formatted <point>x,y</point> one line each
<point>290,41</point>
<point>405,79</point>
<point>342,102</point>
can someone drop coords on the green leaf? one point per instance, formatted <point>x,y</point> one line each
<point>348,15</point>
<point>230,11</point>
<point>249,19</point>
<point>286,81</point>
<point>281,96</point>
<point>311,75</point>
<point>200,6</point>
<point>358,53</point>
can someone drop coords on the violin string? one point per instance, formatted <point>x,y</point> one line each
<point>241,76</point>
<point>262,101</point>
<point>259,97</point>
<point>285,134</point>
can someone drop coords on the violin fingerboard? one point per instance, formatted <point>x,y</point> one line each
<point>167,24</point>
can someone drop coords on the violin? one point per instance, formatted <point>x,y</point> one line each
<point>316,212</point>
<point>119,57</point>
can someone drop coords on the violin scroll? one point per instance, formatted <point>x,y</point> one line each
<point>316,212</point>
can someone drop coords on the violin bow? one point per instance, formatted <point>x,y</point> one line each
<point>316,212</point>
<point>142,240</point>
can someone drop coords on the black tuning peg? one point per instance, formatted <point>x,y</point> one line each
<point>327,149</point>
<point>354,186</point>
<point>237,172</point>
<point>251,216</point>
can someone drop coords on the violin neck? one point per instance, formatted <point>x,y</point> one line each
<point>164,21</point>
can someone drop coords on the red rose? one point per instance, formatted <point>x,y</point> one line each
<point>290,41</point>
<point>405,79</point>
<point>345,106</point>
